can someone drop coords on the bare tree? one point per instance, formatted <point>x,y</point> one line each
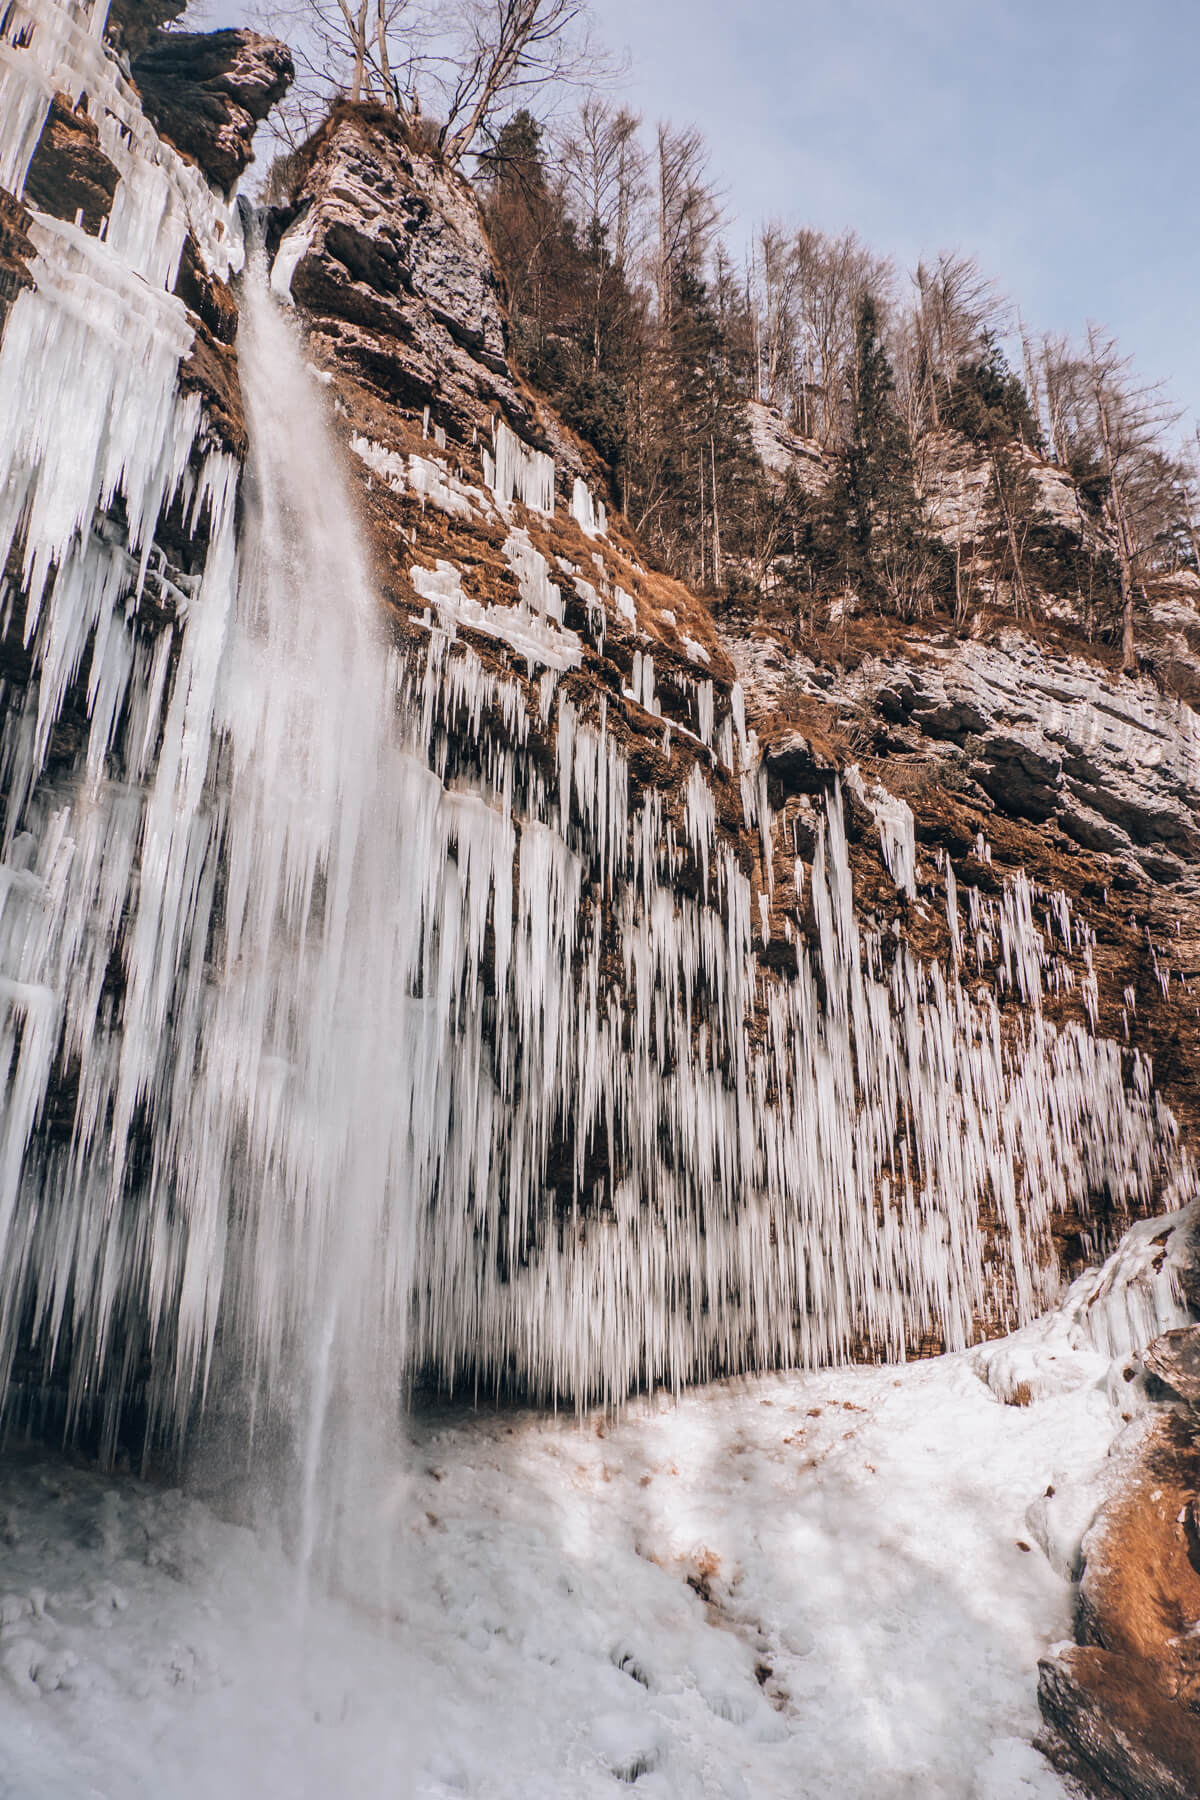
<point>603,165</point>
<point>500,49</point>
<point>956,305</point>
<point>1128,420</point>
<point>805,292</point>
<point>688,210</point>
<point>456,60</point>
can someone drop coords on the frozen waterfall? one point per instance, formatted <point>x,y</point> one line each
<point>353,1015</point>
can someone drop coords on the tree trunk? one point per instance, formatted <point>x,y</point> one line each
<point>716,556</point>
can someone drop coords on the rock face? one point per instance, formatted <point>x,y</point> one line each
<point>70,176</point>
<point>133,23</point>
<point>383,250</point>
<point>16,251</point>
<point>1115,764</point>
<point>1175,1359</point>
<point>206,93</point>
<point>1123,1706</point>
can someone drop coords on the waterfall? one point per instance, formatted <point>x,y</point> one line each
<point>360,1011</point>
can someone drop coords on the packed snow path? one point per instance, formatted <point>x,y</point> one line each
<point>814,1585</point>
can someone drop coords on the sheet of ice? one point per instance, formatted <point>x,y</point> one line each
<point>518,472</point>
<point>50,47</point>
<point>817,1585</point>
<point>589,514</point>
<point>534,628</point>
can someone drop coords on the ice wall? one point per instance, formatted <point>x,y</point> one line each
<point>354,1015</point>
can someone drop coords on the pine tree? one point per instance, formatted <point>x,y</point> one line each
<point>874,509</point>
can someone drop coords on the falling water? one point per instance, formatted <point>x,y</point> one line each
<point>354,1012</point>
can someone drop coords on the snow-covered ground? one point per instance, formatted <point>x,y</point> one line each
<point>830,1585</point>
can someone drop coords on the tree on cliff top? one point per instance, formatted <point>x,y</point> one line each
<point>453,61</point>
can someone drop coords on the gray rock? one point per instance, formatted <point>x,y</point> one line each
<point>397,282</point>
<point>207,91</point>
<point>1051,737</point>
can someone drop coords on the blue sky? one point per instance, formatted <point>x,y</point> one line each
<point>1055,140</point>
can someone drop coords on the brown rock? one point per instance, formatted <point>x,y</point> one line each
<point>16,251</point>
<point>132,23</point>
<point>1121,1733</point>
<point>70,176</point>
<point>1140,1588</point>
<point>212,371</point>
<point>1175,1359</point>
<point>206,295</point>
<point>798,763</point>
<point>207,91</point>
<point>1126,1702</point>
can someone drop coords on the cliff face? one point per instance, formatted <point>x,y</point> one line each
<point>1017,762</point>
<point>797,914</point>
<point>1001,792</point>
<point>765,1005</point>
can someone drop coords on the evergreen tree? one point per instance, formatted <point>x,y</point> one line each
<point>873,505</point>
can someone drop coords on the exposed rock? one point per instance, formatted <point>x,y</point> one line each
<point>797,764</point>
<point>206,92</point>
<point>16,251</point>
<point>383,251</point>
<point>204,294</point>
<point>132,23</point>
<point>379,223</point>
<point>783,452</point>
<point>1055,737</point>
<point>1119,1733</point>
<point>70,176</point>
<point>1126,1702</point>
<point>954,477</point>
<point>1175,1359</point>
<point>211,370</point>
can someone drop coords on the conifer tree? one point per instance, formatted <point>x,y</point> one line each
<point>873,502</point>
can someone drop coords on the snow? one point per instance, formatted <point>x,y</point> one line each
<point>816,1584</point>
<point>426,476</point>
<point>826,1584</point>
<point>533,628</point>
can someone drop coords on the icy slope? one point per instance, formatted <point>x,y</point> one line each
<point>829,1585</point>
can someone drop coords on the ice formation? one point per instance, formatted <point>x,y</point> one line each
<point>518,472</point>
<point>378,1032</point>
<point>589,514</point>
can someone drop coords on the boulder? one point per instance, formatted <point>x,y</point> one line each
<point>1115,1729</point>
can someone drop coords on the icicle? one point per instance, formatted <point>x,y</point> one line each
<point>517,472</point>
<point>589,514</point>
<point>396,1018</point>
